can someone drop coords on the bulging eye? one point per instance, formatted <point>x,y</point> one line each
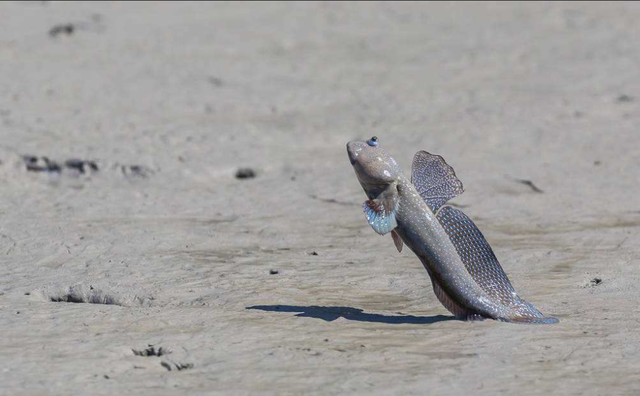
<point>373,141</point>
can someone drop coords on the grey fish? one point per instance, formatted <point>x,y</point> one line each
<point>465,273</point>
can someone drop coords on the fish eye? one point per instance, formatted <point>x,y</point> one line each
<point>373,141</point>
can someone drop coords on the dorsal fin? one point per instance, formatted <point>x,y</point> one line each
<point>434,179</point>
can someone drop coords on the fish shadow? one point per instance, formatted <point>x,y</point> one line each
<point>330,314</point>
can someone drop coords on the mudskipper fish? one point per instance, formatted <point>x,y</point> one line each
<point>465,273</point>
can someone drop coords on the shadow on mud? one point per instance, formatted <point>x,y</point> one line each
<point>332,313</point>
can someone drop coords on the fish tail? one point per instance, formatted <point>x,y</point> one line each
<point>531,320</point>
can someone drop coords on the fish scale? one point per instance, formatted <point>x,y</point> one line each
<point>481,262</point>
<point>476,254</point>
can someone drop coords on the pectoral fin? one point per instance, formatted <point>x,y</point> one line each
<point>397,241</point>
<point>381,211</point>
<point>434,179</point>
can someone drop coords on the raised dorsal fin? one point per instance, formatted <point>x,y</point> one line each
<point>434,179</point>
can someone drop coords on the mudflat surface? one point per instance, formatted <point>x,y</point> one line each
<point>275,284</point>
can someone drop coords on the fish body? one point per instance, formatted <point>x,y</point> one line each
<point>466,276</point>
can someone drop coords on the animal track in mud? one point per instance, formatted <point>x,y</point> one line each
<point>136,171</point>
<point>35,163</point>
<point>82,166</point>
<point>83,294</point>
<point>43,164</point>
<point>177,366</point>
<point>151,351</point>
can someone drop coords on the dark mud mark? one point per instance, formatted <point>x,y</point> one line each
<point>81,166</point>
<point>624,99</point>
<point>136,171</point>
<point>530,184</point>
<point>215,81</point>
<point>593,282</point>
<point>176,366</point>
<point>40,164</point>
<point>329,314</point>
<point>151,351</point>
<point>245,173</point>
<point>82,294</point>
<point>95,24</point>
<point>63,28</point>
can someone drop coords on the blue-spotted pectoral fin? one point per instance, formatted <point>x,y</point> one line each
<point>434,179</point>
<point>381,215</point>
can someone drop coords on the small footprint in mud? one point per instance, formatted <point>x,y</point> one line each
<point>81,166</point>
<point>134,171</point>
<point>77,166</point>
<point>177,366</point>
<point>151,351</point>
<point>41,164</point>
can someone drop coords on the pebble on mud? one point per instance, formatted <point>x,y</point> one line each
<point>592,282</point>
<point>64,28</point>
<point>595,281</point>
<point>245,173</point>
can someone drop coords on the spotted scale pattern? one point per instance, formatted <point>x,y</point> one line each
<point>481,262</point>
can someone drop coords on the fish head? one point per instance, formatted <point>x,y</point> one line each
<point>375,169</point>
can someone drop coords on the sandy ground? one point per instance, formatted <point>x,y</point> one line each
<point>169,100</point>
